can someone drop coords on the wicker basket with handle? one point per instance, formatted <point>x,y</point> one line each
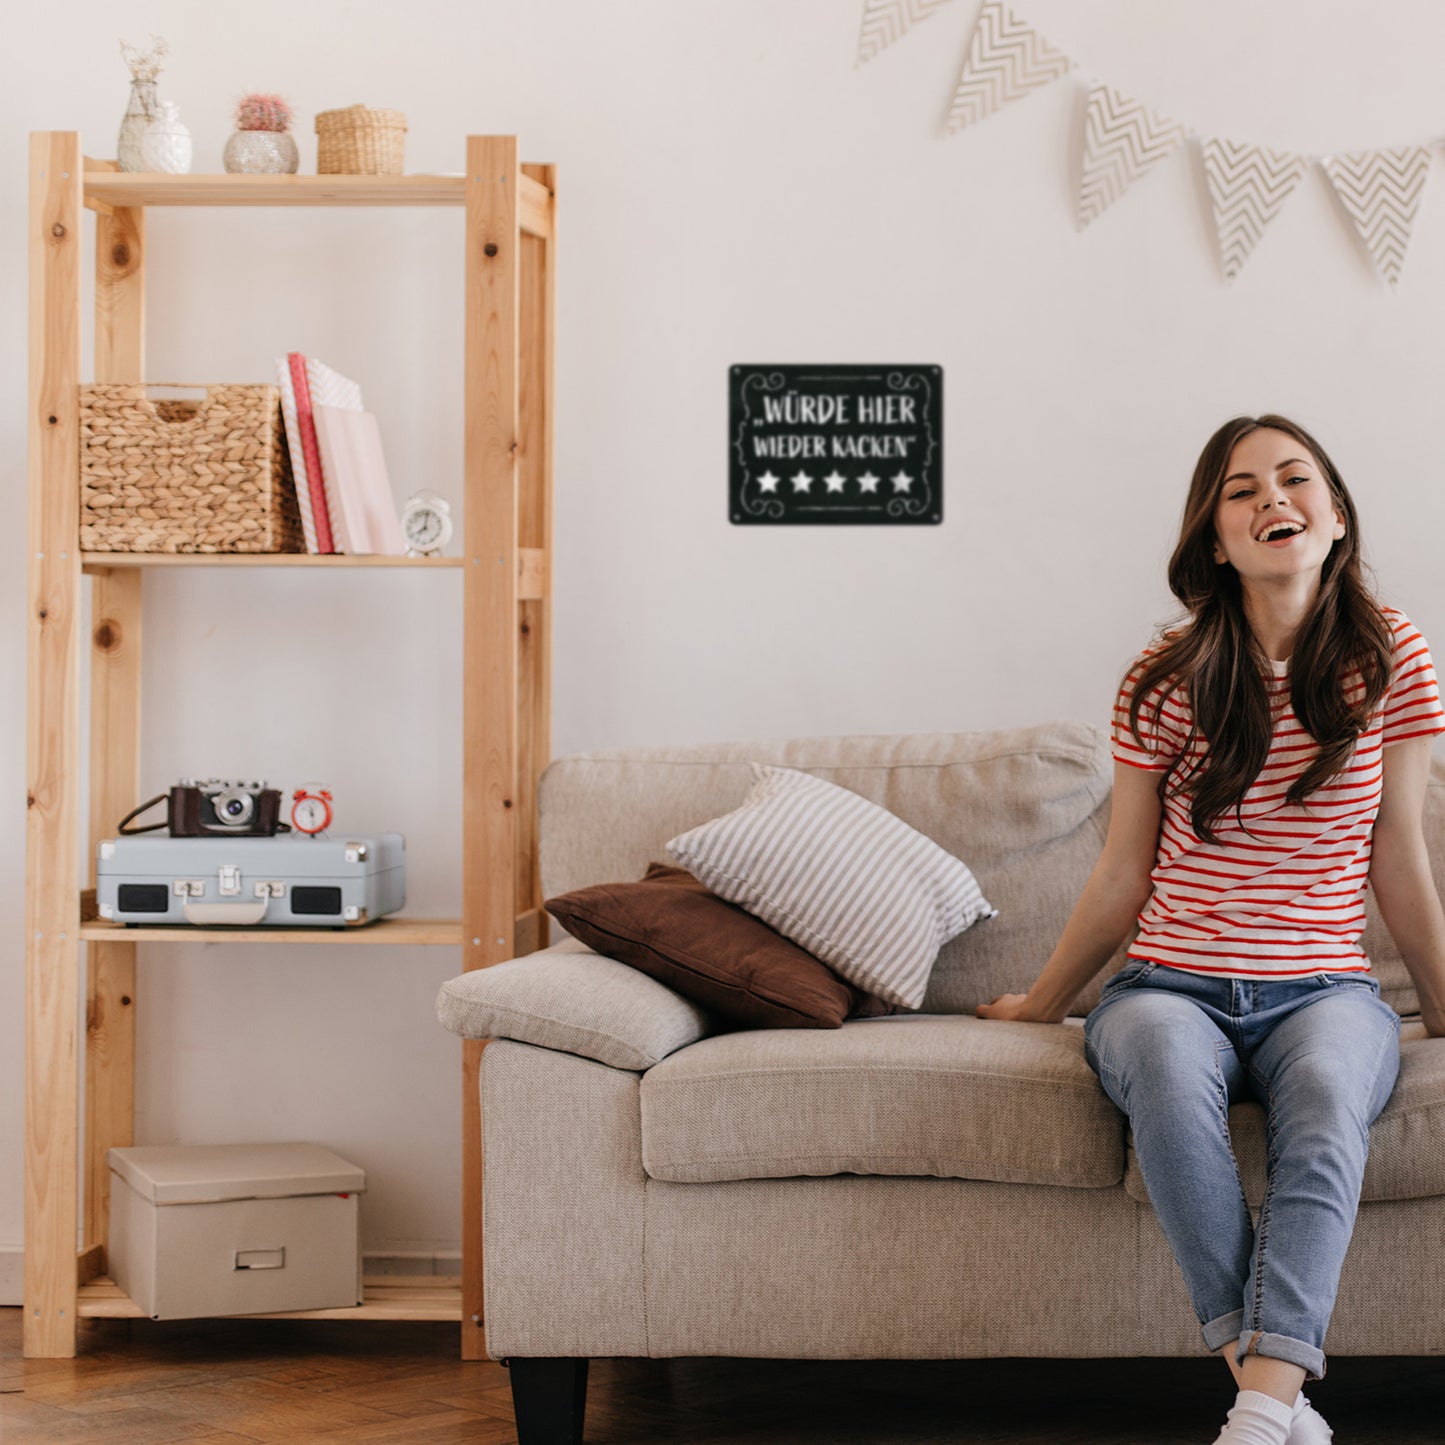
<point>359,142</point>
<point>186,476</point>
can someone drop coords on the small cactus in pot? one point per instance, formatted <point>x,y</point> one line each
<point>262,143</point>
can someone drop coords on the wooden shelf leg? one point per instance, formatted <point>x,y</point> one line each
<point>110,971</point>
<point>115,661</point>
<point>489,606</point>
<point>537,290</point>
<point>52,890</point>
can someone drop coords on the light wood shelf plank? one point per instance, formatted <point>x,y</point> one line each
<point>384,930</point>
<point>142,188</point>
<point>385,1297</point>
<point>146,188</point>
<point>99,561</point>
<point>533,570</point>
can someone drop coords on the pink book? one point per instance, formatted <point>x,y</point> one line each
<point>363,510</point>
<point>306,425</point>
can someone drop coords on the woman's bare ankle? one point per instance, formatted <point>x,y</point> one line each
<point>1226,1353</point>
<point>1269,1376</point>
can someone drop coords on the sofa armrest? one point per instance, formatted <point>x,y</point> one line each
<point>575,1001</point>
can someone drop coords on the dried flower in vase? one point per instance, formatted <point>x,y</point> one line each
<point>143,107</point>
<point>144,64</point>
<point>259,111</point>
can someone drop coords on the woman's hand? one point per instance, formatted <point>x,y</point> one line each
<point>1011,1006</point>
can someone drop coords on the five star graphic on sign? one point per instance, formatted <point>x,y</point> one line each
<point>835,482</point>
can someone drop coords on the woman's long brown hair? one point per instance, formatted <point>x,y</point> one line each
<point>1217,661</point>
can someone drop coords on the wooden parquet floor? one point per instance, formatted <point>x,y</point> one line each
<point>139,1383</point>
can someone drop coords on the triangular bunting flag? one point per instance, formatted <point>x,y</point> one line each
<point>885,21</point>
<point>1248,186</point>
<point>1006,59</point>
<point>1122,140</point>
<point>1381,190</point>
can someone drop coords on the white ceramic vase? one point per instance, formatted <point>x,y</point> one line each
<point>261,152</point>
<point>166,146</point>
<point>142,110</point>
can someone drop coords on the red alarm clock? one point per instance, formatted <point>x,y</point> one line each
<point>311,809</point>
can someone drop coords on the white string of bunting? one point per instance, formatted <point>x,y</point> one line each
<point>1124,139</point>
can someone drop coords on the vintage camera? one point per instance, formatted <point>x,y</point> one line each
<point>215,806</point>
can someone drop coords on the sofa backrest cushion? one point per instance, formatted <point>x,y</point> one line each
<point>1025,808</point>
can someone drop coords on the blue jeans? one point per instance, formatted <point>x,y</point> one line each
<point>1173,1050</point>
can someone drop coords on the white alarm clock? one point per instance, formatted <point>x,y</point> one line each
<point>311,809</point>
<point>426,524</point>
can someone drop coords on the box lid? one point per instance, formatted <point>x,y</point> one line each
<point>286,856</point>
<point>210,1173</point>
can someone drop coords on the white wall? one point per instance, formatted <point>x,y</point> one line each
<point>733,190</point>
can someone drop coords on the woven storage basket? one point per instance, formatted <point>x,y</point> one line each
<point>359,142</point>
<point>186,476</point>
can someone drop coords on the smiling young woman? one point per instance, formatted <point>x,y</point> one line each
<point>1271,757</point>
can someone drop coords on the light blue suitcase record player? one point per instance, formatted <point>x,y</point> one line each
<point>251,882</point>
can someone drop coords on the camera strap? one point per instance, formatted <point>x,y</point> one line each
<point>144,807</point>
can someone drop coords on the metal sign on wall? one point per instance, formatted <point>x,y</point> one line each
<point>835,444</point>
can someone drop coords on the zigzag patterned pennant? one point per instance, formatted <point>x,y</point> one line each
<point>885,21</point>
<point>1248,186</point>
<point>1122,140</point>
<point>1381,190</point>
<point>1007,58</point>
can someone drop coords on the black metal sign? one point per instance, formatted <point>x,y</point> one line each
<point>835,444</point>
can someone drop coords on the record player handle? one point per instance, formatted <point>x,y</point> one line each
<point>237,913</point>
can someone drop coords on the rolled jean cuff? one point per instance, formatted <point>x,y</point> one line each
<point>1282,1347</point>
<point>1223,1331</point>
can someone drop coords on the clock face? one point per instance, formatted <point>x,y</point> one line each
<point>423,528</point>
<point>426,523</point>
<point>310,815</point>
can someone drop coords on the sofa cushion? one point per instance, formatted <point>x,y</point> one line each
<point>842,877</point>
<point>575,1001</point>
<point>951,1097</point>
<point>1407,1141</point>
<point>674,929</point>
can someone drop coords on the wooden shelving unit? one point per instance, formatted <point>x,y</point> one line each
<point>508,269</point>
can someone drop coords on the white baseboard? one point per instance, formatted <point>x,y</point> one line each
<point>12,1274</point>
<point>411,1263</point>
<point>12,1268</point>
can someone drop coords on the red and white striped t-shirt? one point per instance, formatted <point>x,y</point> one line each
<point>1285,899</point>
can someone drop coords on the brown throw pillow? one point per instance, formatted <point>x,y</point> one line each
<point>670,927</point>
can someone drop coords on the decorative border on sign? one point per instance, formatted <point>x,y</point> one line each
<point>916,506</point>
<point>775,381</point>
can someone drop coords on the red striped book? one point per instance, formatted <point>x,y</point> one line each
<point>306,425</point>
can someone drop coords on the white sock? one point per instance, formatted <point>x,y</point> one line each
<point>1257,1419</point>
<point>1307,1425</point>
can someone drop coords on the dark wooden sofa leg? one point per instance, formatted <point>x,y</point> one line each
<point>549,1397</point>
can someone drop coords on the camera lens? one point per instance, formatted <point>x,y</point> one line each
<point>234,807</point>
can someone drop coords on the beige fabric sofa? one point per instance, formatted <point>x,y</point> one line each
<point>915,1186</point>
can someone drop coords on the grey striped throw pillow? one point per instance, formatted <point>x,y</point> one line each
<point>845,879</point>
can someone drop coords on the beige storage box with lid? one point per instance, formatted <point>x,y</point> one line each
<point>235,1229</point>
